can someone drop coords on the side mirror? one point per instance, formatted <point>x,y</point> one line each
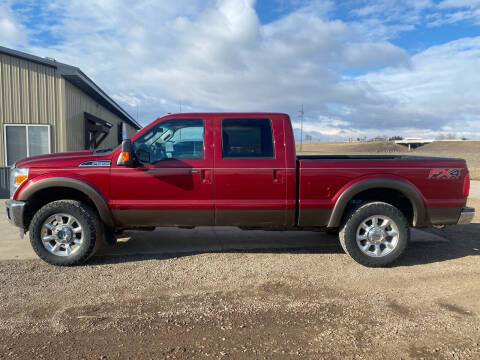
<point>126,156</point>
<point>143,156</point>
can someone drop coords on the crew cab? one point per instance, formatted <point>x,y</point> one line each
<point>231,169</point>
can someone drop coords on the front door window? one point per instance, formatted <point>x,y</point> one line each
<point>179,139</point>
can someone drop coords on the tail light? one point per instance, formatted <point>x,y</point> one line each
<point>466,185</point>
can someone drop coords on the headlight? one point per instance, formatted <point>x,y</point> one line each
<point>17,177</point>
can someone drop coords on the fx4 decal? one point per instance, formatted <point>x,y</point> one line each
<point>444,174</point>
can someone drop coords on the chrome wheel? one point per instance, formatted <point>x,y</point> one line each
<point>377,236</point>
<point>62,234</point>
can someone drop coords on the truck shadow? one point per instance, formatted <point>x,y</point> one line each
<point>452,242</point>
<point>429,247</point>
<point>166,243</point>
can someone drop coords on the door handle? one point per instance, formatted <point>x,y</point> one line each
<point>277,176</point>
<point>207,176</point>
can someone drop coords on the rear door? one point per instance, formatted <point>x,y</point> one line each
<point>249,175</point>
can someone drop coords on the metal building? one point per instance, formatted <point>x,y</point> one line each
<point>47,106</point>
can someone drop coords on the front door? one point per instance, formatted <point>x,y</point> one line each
<point>173,186</point>
<point>250,174</point>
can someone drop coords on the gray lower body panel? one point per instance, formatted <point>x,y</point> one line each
<point>314,217</point>
<point>137,218</point>
<point>243,218</point>
<point>268,218</point>
<point>443,216</point>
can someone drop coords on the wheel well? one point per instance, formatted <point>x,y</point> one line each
<point>45,196</point>
<point>389,196</point>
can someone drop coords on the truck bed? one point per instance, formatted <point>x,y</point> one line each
<point>323,178</point>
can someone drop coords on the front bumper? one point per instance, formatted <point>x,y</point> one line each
<point>466,216</point>
<point>15,212</point>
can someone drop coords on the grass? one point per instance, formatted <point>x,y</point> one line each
<point>468,150</point>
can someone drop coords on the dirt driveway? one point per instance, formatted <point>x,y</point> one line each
<point>308,302</point>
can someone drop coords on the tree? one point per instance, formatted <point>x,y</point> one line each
<point>393,138</point>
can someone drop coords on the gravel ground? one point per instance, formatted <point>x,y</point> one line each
<point>290,303</point>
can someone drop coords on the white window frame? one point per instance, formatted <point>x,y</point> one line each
<point>27,140</point>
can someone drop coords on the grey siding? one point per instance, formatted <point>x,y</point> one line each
<point>131,131</point>
<point>77,103</point>
<point>31,93</point>
<point>35,93</point>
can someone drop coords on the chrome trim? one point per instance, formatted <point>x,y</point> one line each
<point>15,212</point>
<point>95,163</point>
<point>466,216</point>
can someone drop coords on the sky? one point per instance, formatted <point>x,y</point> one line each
<point>360,68</point>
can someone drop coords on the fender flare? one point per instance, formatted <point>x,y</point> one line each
<point>408,190</point>
<point>66,182</point>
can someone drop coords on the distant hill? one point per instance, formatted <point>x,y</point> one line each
<point>467,147</point>
<point>351,147</point>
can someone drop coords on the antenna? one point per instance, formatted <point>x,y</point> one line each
<point>302,113</point>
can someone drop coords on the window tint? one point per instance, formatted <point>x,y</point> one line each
<point>173,139</point>
<point>247,138</point>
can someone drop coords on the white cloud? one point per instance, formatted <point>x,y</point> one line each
<point>439,92</point>
<point>216,55</point>
<point>12,32</point>
<point>456,11</point>
<point>459,4</point>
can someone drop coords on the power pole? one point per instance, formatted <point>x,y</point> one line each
<point>301,127</point>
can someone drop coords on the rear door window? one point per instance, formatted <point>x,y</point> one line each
<point>247,139</point>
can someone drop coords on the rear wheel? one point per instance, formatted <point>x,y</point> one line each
<point>65,232</point>
<point>375,234</point>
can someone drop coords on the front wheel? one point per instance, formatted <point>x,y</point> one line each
<point>65,232</point>
<point>375,234</point>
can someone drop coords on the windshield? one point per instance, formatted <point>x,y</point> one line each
<point>172,139</point>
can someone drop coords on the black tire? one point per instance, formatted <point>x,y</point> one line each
<point>87,219</point>
<point>352,222</point>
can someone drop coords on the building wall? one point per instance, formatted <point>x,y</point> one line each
<point>131,131</point>
<point>77,103</point>
<point>31,93</point>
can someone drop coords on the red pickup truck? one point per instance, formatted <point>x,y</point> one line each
<point>231,169</point>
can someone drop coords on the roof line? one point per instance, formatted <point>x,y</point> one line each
<point>76,76</point>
